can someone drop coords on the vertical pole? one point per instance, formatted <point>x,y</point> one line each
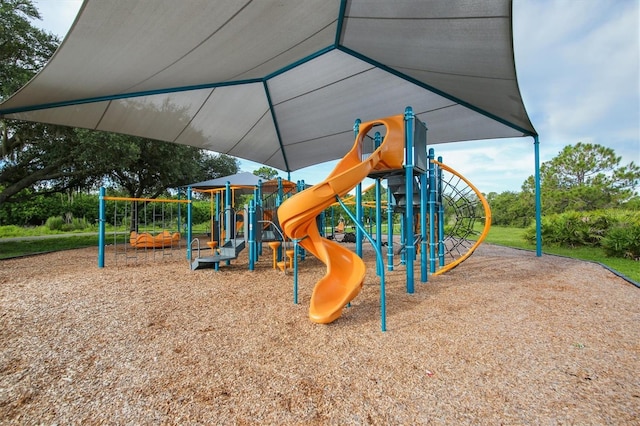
<point>378,142</point>
<point>258,198</point>
<point>379,221</point>
<point>229,226</point>
<point>356,131</point>
<point>389,229</point>
<point>249,222</point>
<point>101,227</point>
<point>216,220</point>
<point>432,212</point>
<point>303,252</point>
<point>423,200</point>
<point>359,218</point>
<point>403,238</point>
<point>333,227</point>
<point>423,226</point>
<point>440,205</point>
<point>410,247</point>
<point>189,229</point>
<point>227,213</point>
<point>179,216</point>
<point>536,148</point>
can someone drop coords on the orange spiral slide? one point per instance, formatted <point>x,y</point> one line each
<point>345,270</point>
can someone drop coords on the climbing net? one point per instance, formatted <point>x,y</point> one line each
<point>466,215</point>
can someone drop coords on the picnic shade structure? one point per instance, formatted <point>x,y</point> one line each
<point>244,179</point>
<point>280,82</point>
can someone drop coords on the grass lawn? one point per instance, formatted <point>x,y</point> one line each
<point>26,247</point>
<point>513,237</point>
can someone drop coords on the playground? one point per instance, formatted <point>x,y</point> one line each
<point>207,333</point>
<point>506,338</point>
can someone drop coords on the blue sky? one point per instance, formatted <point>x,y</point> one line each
<point>578,65</point>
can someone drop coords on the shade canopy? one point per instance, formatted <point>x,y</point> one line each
<point>240,179</point>
<point>280,82</point>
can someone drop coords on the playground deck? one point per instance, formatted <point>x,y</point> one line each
<point>504,338</point>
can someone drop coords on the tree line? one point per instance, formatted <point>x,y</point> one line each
<point>582,177</point>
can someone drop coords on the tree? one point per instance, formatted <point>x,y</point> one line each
<point>266,173</point>
<point>33,156</point>
<point>146,168</point>
<point>24,49</point>
<point>585,177</point>
<point>46,159</point>
<point>510,208</point>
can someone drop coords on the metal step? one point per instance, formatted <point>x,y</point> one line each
<point>228,251</point>
<point>209,261</point>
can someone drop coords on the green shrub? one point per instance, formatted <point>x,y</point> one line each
<point>55,223</point>
<point>623,240</point>
<point>616,231</point>
<point>570,229</point>
<point>200,212</point>
<point>7,231</point>
<point>77,224</point>
<point>58,223</point>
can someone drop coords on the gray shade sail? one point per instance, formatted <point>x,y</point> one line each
<point>239,179</point>
<point>281,82</point>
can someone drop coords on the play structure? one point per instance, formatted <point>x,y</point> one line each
<point>234,228</point>
<point>415,182</point>
<point>442,218</point>
<point>151,225</point>
<point>283,103</point>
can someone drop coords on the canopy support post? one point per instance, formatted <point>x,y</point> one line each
<point>536,149</point>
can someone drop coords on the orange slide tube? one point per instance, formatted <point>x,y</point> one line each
<point>345,270</point>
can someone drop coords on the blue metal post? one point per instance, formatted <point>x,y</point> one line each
<point>280,194</point>
<point>101,227</point>
<point>303,252</point>
<point>432,212</point>
<point>359,219</point>
<point>227,213</point>
<point>440,205</point>
<point>356,131</point>
<point>379,218</point>
<point>389,229</point>
<point>217,218</point>
<point>258,197</point>
<point>189,230</point>
<point>228,216</point>
<point>410,247</point>
<point>333,228</point>
<point>423,226</point>
<point>403,238</point>
<point>536,148</point>
<point>251,229</point>
<point>378,141</point>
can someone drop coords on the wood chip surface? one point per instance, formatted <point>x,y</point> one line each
<point>505,338</point>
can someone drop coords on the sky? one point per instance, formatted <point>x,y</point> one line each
<point>578,67</point>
